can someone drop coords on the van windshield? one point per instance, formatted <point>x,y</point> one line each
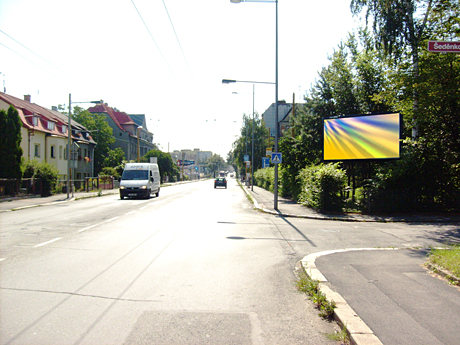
<point>135,175</point>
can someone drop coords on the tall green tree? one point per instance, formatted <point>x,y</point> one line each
<point>114,158</point>
<point>100,131</point>
<point>243,144</point>
<point>399,26</point>
<point>428,173</point>
<point>215,163</point>
<point>165,164</point>
<point>10,144</point>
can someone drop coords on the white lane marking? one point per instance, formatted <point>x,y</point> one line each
<point>109,220</point>
<point>131,212</point>
<point>88,227</point>
<point>94,225</point>
<point>48,242</point>
<point>1,259</point>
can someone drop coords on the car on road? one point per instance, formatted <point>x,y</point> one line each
<point>220,182</point>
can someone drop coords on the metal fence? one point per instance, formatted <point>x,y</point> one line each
<point>25,186</point>
<point>34,186</point>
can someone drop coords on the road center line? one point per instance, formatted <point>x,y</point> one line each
<point>109,220</point>
<point>48,242</point>
<point>88,227</point>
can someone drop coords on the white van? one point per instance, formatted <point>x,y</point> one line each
<point>140,180</point>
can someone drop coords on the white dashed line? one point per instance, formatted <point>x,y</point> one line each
<point>111,219</point>
<point>48,242</point>
<point>1,259</point>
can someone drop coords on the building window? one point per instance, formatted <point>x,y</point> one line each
<point>51,125</point>
<point>53,151</point>
<point>64,129</point>
<point>60,152</point>
<point>66,152</point>
<point>37,150</point>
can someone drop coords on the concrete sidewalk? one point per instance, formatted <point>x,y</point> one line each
<point>409,319</point>
<point>14,204</point>
<point>264,201</point>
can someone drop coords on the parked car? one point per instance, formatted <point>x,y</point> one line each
<point>220,182</point>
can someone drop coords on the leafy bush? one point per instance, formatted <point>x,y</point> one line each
<point>322,186</point>
<point>265,178</point>
<point>289,183</point>
<point>109,171</point>
<point>418,182</point>
<point>47,173</point>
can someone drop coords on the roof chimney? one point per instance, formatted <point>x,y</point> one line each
<point>27,98</point>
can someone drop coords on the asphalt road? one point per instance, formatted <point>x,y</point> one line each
<point>195,266</point>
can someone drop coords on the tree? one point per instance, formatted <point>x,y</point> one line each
<point>114,158</point>
<point>399,25</point>
<point>243,144</point>
<point>215,163</point>
<point>165,164</point>
<point>10,144</point>
<point>101,132</point>
<point>435,153</point>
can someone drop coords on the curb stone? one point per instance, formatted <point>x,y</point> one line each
<point>443,273</point>
<point>357,329</point>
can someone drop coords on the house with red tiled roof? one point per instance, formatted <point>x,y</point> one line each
<point>129,135</point>
<point>45,137</point>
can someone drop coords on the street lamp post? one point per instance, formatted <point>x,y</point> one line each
<point>276,96</point>
<point>228,81</point>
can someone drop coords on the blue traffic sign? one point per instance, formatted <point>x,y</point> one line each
<point>276,158</point>
<point>265,162</point>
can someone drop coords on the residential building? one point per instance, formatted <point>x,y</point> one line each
<point>45,137</point>
<point>130,133</point>
<point>284,113</point>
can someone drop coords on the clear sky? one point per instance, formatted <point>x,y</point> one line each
<point>172,71</point>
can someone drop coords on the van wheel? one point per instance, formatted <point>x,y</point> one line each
<point>122,197</point>
<point>148,194</point>
<point>157,194</point>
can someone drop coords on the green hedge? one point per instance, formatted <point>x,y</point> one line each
<point>322,186</point>
<point>48,174</point>
<point>265,178</point>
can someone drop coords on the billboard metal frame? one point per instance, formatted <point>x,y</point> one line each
<point>361,159</point>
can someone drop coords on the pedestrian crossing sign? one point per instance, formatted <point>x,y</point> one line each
<point>276,158</point>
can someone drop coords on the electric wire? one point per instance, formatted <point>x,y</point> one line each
<point>30,50</point>
<point>29,60</point>
<point>178,42</point>
<point>153,39</point>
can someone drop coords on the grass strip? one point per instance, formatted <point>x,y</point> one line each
<point>448,258</point>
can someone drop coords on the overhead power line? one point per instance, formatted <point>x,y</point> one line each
<point>151,36</point>
<point>30,50</point>
<point>177,38</point>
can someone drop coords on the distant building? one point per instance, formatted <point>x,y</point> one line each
<point>45,137</point>
<point>284,113</point>
<point>198,157</point>
<point>130,131</point>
